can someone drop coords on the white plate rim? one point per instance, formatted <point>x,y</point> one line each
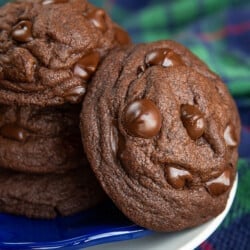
<point>204,231</point>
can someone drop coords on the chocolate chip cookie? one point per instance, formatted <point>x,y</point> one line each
<point>49,49</point>
<point>47,196</point>
<point>161,132</point>
<point>40,140</point>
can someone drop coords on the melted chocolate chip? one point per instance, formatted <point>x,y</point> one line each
<point>87,65</point>
<point>121,36</point>
<point>163,57</point>
<point>98,18</point>
<point>155,57</point>
<point>140,71</point>
<point>46,2</point>
<point>121,149</point>
<point>221,184</point>
<point>14,132</point>
<point>75,94</point>
<point>1,73</point>
<point>117,142</point>
<point>230,137</point>
<point>193,120</point>
<point>172,59</point>
<point>114,138</point>
<point>22,32</point>
<point>142,118</point>
<point>178,178</point>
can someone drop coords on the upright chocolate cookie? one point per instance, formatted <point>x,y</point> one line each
<point>161,132</point>
<point>40,140</point>
<point>46,196</point>
<point>50,49</point>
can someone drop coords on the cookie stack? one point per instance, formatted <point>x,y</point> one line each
<point>45,66</point>
<point>159,129</point>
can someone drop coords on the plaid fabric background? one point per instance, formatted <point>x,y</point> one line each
<point>218,31</point>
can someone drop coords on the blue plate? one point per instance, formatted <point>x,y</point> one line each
<point>95,226</point>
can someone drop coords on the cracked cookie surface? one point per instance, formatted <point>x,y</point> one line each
<point>40,140</point>
<point>161,132</point>
<point>50,49</point>
<point>47,196</point>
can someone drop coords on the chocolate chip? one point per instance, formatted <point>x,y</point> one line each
<point>114,138</point>
<point>22,32</point>
<point>140,70</point>
<point>14,132</point>
<point>46,2</point>
<point>121,151</point>
<point>155,57</point>
<point>172,59</point>
<point>98,18</point>
<point>220,184</point>
<point>230,137</point>
<point>121,36</point>
<point>75,94</point>
<point>1,73</point>
<point>87,65</point>
<point>193,120</point>
<point>163,57</point>
<point>117,142</point>
<point>178,178</point>
<point>142,118</point>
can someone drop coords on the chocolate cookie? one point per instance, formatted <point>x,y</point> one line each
<point>49,49</point>
<point>161,132</point>
<point>46,196</point>
<point>40,140</point>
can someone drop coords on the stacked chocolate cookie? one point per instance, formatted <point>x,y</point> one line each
<point>49,50</point>
<point>159,129</point>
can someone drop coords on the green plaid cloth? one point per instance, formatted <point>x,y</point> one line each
<point>203,26</point>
